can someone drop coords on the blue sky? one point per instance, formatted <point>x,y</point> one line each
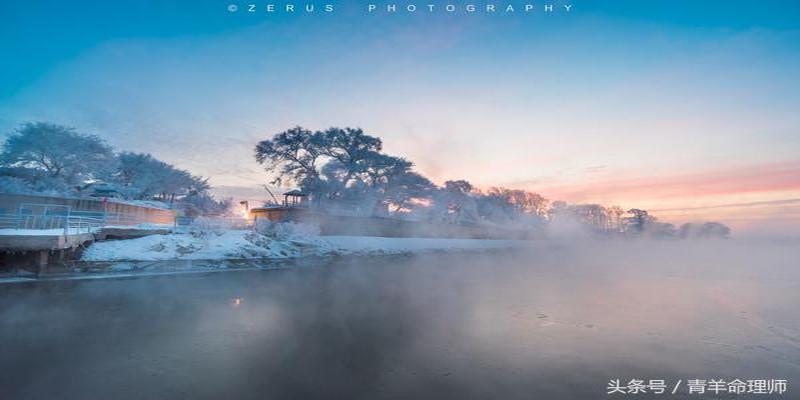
<point>560,103</point>
<point>40,34</point>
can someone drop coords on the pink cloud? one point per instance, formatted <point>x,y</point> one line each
<point>771,177</point>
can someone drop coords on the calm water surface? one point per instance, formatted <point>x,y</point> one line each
<point>558,321</point>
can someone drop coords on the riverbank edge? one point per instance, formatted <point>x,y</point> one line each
<point>94,270</point>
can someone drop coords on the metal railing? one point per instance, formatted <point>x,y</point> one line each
<point>16,221</point>
<point>76,224</point>
<point>48,217</point>
<point>69,224</point>
<point>43,217</point>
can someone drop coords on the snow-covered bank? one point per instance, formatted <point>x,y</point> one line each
<point>242,244</point>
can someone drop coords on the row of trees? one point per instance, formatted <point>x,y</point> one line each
<point>46,158</point>
<point>346,168</point>
<point>633,222</point>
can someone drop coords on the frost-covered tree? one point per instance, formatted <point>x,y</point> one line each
<point>585,218</point>
<point>141,176</point>
<point>374,182</point>
<point>293,157</point>
<point>615,219</point>
<point>199,204</point>
<point>458,187</point>
<point>57,154</point>
<point>705,230</point>
<point>455,202</point>
<point>638,221</point>
<point>341,167</point>
<point>511,204</point>
<point>407,191</point>
<point>13,184</point>
<point>661,230</point>
<point>352,150</point>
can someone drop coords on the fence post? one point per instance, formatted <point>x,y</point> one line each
<point>66,221</point>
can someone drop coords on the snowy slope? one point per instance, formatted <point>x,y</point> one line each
<point>240,244</point>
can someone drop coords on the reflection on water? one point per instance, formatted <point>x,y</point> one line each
<point>557,321</point>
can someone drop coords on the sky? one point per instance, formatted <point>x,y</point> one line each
<point>687,108</point>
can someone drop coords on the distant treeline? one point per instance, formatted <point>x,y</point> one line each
<point>45,158</point>
<point>346,169</point>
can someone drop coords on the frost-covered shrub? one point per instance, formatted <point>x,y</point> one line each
<point>286,230</point>
<point>14,185</point>
<point>24,184</point>
<point>204,226</point>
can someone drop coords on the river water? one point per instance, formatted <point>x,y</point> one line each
<point>560,320</point>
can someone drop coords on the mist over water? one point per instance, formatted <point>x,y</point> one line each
<point>556,320</point>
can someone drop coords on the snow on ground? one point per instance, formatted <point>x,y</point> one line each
<point>245,244</point>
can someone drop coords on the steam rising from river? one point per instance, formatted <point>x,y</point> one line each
<point>556,320</point>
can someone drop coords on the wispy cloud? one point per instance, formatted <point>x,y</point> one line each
<point>783,202</point>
